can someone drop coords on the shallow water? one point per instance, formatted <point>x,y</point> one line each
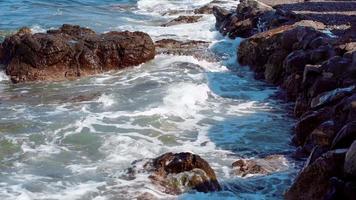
<point>74,139</point>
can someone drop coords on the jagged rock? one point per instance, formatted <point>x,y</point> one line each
<point>72,51</point>
<point>350,160</point>
<point>266,165</point>
<point>179,173</point>
<point>292,85</point>
<point>183,20</point>
<point>296,61</point>
<point>313,181</point>
<point>345,136</point>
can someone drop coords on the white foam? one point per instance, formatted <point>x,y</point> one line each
<point>3,76</point>
<point>106,100</point>
<point>162,6</point>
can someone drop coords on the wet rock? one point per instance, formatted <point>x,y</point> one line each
<point>198,49</point>
<point>313,181</point>
<point>181,172</point>
<point>71,52</point>
<point>260,166</point>
<point>183,20</point>
<point>350,160</point>
<point>345,136</point>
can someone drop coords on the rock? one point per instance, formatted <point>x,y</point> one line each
<point>296,61</point>
<point>322,136</point>
<point>330,97</point>
<point>71,52</point>
<point>274,67</point>
<point>181,172</point>
<point>292,85</point>
<point>198,49</point>
<point>321,85</point>
<point>183,20</point>
<point>313,181</point>
<point>350,160</point>
<point>345,112</point>
<point>261,166</point>
<point>310,121</point>
<point>345,136</point>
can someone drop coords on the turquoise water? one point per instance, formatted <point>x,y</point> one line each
<point>74,139</point>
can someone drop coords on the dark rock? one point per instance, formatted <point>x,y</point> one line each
<point>322,136</point>
<point>296,61</point>
<point>310,121</point>
<point>274,67</point>
<point>292,85</point>
<point>345,136</point>
<point>322,85</point>
<point>313,181</point>
<point>345,112</point>
<point>181,172</point>
<point>71,52</point>
<point>350,160</point>
<point>330,97</point>
<point>183,20</point>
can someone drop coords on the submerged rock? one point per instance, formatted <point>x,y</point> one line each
<point>262,166</point>
<point>179,173</point>
<point>198,49</point>
<point>72,51</point>
<point>183,20</point>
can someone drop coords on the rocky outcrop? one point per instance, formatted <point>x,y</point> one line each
<point>179,173</point>
<point>317,72</point>
<point>71,52</point>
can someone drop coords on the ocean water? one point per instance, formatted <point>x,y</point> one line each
<point>75,139</point>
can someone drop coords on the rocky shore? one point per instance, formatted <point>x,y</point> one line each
<point>71,52</point>
<point>317,71</point>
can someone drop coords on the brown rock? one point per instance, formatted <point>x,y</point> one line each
<point>71,52</point>
<point>274,67</point>
<point>181,172</point>
<point>313,181</point>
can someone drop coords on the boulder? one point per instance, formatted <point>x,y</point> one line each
<point>330,97</point>
<point>313,181</point>
<point>345,112</point>
<point>71,52</point>
<point>181,172</point>
<point>296,61</point>
<point>350,161</point>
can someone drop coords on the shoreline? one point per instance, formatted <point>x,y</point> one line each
<point>316,71</point>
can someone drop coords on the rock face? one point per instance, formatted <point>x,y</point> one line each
<point>179,173</point>
<point>318,73</point>
<point>350,161</point>
<point>72,51</point>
